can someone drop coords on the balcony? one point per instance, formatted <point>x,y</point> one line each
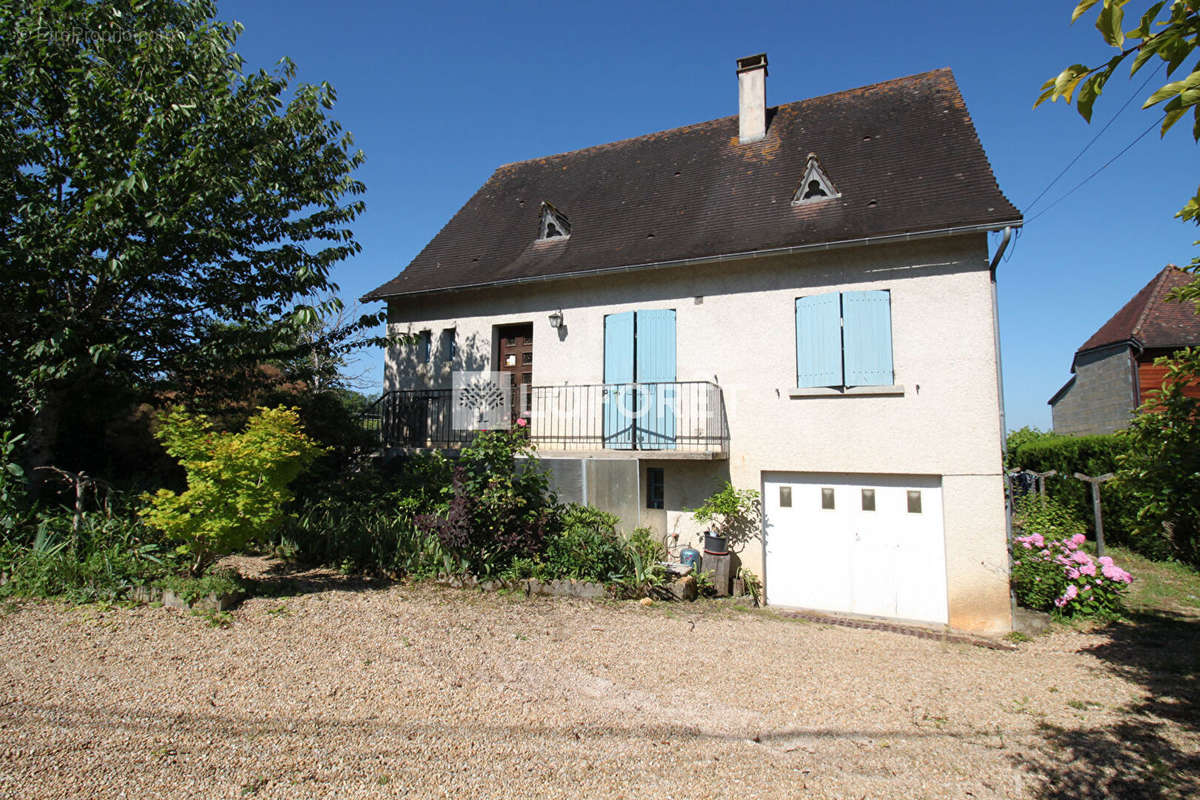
<point>673,420</point>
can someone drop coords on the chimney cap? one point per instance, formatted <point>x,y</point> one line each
<point>752,62</point>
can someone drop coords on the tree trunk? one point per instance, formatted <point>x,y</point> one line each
<point>43,438</point>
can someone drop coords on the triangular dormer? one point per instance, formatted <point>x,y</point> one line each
<point>816,184</point>
<point>554,225</point>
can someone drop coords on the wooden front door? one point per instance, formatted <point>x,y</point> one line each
<point>516,358</point>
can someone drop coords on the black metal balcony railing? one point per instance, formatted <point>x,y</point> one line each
<point>679,416</point>
<point>415,418</point>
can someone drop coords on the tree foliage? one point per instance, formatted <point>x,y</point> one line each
<point>236,482</point>
<point>165,214</point>
<point>1166,33</point>
<point>1162,467</point>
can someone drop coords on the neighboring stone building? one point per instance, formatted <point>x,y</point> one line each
<point>1114,370</point>
<point>798,299</point>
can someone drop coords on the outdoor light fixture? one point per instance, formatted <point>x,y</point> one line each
<point>556,320</point>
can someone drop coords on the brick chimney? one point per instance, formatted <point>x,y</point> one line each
<point>752,98</point>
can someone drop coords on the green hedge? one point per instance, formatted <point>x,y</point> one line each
<point>1091,455</point>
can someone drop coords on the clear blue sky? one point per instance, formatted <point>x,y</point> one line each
<point>437,97</point>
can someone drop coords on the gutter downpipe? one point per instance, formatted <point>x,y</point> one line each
<point>1008,515</point>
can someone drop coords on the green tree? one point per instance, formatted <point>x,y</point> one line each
<point>1165,33</point>
<point>164,213</point>
<point>1162,467</point>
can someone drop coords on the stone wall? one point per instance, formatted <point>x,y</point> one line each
<point>1100,400</point>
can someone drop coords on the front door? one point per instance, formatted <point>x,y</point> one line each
<point>515,357</point>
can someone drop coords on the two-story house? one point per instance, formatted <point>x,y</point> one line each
<point>798,299</point>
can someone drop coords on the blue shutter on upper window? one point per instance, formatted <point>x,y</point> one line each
<point>867,331</point>
<point>819,340</point>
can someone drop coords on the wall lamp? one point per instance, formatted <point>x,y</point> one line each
<point>556,320</point>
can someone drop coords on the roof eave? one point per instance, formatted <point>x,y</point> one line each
<point>1058,395</point>
<point>737,256</point>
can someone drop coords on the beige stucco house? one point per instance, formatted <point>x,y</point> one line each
<point>799,299</point>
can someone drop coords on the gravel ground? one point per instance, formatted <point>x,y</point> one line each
<point>423,691</point>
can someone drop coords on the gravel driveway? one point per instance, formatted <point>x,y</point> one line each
<point>423,691</point>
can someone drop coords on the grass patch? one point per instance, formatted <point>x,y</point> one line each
<point>1159,585</point>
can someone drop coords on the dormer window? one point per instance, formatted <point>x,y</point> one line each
<point>555,224</point>
<point>816,184</point>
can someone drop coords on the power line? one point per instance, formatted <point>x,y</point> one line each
<point>1100,169</point>
<point>1099,133</point>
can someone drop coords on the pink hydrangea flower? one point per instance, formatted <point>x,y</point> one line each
<point>1072,592</point>
<point>1078,539</point>
<point>1106,561</point>
<point>1037,540</point>
<point>1072,573</point>
<point>1088,569</point>
<point>1081,557</point>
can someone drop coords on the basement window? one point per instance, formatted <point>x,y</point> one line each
<point>554,224</point>
<point>815,185</point>
<point>655,485</point>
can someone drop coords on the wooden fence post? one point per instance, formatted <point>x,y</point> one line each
<point>1095,482</point>
<point>1041,481</point>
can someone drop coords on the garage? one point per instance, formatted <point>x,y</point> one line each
<point>871,545</point>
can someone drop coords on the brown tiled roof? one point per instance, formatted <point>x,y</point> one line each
<point>903,155</point>
<point>1151,319</point>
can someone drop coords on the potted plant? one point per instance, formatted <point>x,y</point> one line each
<point>733,518</point>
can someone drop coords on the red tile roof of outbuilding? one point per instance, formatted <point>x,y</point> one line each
<point>1150,318</point>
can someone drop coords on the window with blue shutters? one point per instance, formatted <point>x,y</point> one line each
<point>844,339</point>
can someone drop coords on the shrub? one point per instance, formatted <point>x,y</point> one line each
<point>1055,575</point>
<point>735,514</point>
<point>237,482</point>
<point>372,538</point>
<point>222,582</point>
<point>1018,439</point>
<point>1162,468</point>
<point>1091,455</point>
<point>1047,516</point>
<point>12,483</point>
<point>587,547</point>
<point>102,560</point>
<point>494,512</point>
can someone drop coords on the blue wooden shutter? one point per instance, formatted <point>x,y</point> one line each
<point>656,365</point>
<point>618,379</point>
<point>656,346</point>
<point>867,329</point>
<point>819,340</point>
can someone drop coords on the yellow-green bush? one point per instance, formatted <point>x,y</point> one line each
<point>236,482</point>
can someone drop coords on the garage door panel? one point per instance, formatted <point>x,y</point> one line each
<point>881,561</point>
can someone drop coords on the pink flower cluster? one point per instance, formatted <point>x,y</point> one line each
<point>1078,566</point>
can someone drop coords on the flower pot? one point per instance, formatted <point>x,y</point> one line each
<point>715,545</point>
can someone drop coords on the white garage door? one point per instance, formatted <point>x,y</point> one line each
<point>864,545</point>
